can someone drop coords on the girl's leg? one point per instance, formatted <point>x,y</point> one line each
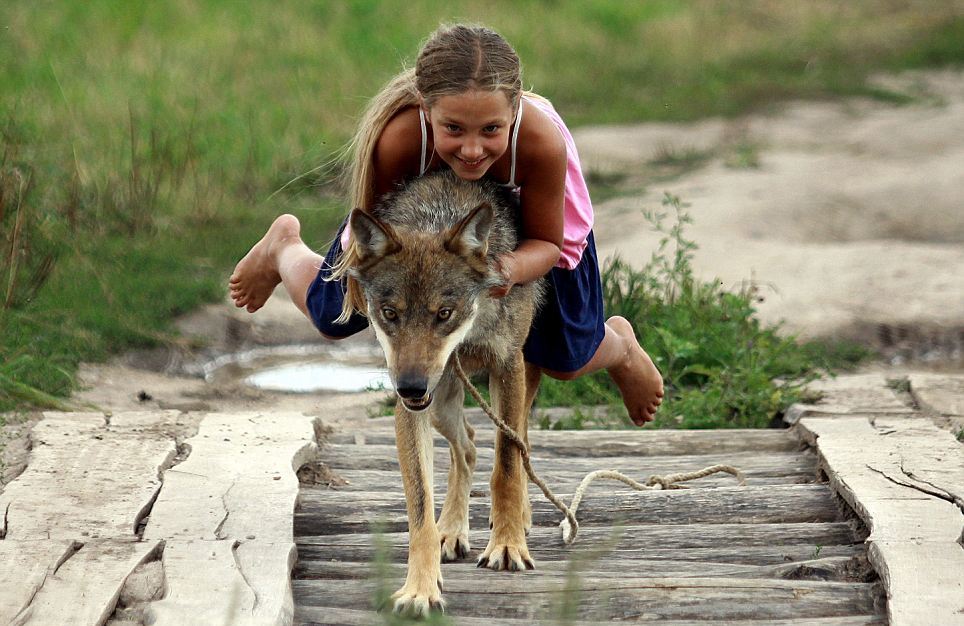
<point>280,257</point>
<point>633,371</point>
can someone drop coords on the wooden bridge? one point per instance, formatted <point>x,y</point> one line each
<point>853,516</point>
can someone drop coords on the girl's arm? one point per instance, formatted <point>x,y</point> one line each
<point>541,161</point>
<point>397,152</point>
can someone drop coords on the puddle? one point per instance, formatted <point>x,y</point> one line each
<point>308,377</point>
<point>302,369</point>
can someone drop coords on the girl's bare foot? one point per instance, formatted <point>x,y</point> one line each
<point>639,382</point>
<point>256,275</point>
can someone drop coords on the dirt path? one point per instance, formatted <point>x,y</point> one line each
<point>852,222</point>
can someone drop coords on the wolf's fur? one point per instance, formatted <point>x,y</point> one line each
<point>426,264</point>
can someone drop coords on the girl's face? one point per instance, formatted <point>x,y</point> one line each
<point>471,130</point>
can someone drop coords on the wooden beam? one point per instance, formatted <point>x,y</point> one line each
<point>225,517</point>
<point>325,512</point>
<point>523,595</point>
<point>904,477</point>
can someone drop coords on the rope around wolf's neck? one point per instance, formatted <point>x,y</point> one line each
<point>570,526</point>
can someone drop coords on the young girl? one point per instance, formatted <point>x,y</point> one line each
<point>463,108</point>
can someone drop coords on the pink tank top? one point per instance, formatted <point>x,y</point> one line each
<point>577,213</point>
<point>577,210</point>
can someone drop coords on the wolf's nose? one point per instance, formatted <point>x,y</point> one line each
<point>412,387</point>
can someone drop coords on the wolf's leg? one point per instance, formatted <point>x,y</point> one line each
<point>533,378</point>
<point>453,522</point>
<point>422,590</point>
<point>510,499</point>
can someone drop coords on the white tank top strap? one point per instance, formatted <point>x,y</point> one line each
<point>422,164</point>
<point>515,141</point>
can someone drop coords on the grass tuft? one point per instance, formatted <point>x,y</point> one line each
<point>722,368</point>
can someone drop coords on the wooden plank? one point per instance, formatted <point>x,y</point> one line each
<point>932,459</point>
<point>917,575</point>
<point>326,512</point>
<point>607,564</point>
<point>239,479</point>
<point>680,537</point>
<point>566,480</point>
<point>26,566</point>
<point>329,616</point>
<point>225,514</point>
<point>509,596</point>
<point>749,544</point>
<point>867,466</point>
<point>83,590</point>
<point>939,393</point>
<point>86,479</point>
<point>597,443</point>
<point>858,392</point>
<point>224,582</point>
<point>902,478</point>
<point>360,463</point>
<point>383,457</point>
<point>553,556</point>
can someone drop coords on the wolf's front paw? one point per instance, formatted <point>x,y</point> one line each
<point>418,600</point>
<point>455,545</point>
<point>508,555</point>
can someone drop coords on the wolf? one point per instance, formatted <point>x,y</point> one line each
<point>426,263</point>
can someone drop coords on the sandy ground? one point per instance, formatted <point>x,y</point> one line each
<point>852,225</point>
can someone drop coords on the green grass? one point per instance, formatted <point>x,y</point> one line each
<point>145,145</point>
<point>721,366</point>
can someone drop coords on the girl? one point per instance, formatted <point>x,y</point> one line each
<point>463,107</point>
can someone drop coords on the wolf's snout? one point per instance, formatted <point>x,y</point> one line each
<point>412,387</point>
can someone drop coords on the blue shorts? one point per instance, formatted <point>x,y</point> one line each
<point>325,298</point>
<point>565,333</point>
<point>571,324</point>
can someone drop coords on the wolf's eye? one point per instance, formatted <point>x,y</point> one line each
<point>444,314</point>
<point>389,313</point>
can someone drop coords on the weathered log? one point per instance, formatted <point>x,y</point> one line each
<point>645,536</point>
<point>558,480</point>
<point>326,512</point>
<point>556,555</point>
<point>524,596</point>
<point>595,443</point>
<point>330,616</point>
<point>384,457</point>
<point>608,565</point>
<point>905,478</point>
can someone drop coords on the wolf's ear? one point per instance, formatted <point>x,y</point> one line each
<point>375,238</point>
<point>471,235</point>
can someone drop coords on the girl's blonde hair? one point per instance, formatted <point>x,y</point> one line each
<point>452,61</point>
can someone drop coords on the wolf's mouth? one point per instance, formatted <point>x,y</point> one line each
<point>418,404</point>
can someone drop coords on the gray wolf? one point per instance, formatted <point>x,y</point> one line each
<point>427,260</point>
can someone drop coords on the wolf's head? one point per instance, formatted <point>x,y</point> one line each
<point>423,289</point>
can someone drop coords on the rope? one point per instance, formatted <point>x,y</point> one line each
<point>570,526</point>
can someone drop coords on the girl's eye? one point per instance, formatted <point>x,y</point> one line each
<point>389,313</point>
<point>491,129</point>
<point>444,314</point>
<point>452,128</point>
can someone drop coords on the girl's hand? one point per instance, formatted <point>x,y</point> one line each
<point>504,265</point>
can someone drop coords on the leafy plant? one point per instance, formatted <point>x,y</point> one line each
<point>721,366</point>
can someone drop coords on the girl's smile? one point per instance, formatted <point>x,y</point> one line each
<point>471,130</point>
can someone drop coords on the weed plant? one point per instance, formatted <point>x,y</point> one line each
<point>722,367</point>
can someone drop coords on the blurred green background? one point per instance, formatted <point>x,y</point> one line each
<point>145,145</point>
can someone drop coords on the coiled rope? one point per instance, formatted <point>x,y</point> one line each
<point>570,526</point>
